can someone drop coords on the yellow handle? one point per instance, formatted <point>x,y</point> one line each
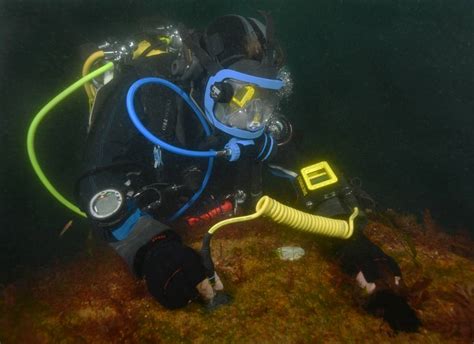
<point>90,90</point>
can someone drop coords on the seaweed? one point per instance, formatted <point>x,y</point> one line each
<point>457,316</point>
<point>401,227</point>
<point>93,299</point>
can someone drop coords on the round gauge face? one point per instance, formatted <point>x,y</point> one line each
<point>105,203</point>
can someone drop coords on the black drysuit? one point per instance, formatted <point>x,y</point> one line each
<point>117,156</point>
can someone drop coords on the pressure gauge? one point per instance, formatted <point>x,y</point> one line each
<point>105,204</point>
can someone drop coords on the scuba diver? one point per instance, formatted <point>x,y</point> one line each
<point>182,130</point>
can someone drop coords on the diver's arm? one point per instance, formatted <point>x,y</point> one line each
<point>373,270</point>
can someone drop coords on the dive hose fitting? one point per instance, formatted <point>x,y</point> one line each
<point>117,51</point>
<point>233,150</point>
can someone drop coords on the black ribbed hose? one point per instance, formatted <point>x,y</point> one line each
<point>206,256</point>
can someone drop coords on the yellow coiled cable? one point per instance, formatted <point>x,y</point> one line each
<point>296,219</point>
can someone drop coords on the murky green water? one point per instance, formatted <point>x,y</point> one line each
<point>384,89</point>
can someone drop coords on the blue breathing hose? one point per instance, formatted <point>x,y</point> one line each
<point>173,149</point>
<point>197,194</point>
<point>145,132</point>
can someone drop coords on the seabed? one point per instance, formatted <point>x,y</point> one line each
<point>94,299</point>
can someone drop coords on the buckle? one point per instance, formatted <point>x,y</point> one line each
<point>318,175</point>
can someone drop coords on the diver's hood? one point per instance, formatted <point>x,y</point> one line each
<point>241,89</point>
<point>255,68</point>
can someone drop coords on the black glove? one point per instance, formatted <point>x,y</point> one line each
<point>360,255</point>
<point>218,300</point>
<point>394,310</point>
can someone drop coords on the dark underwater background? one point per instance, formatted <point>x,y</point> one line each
<point>383,89</point>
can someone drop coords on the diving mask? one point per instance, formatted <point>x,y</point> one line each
<point>250,106</point>
<point>241,104</point>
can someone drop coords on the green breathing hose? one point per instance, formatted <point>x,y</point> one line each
<point>30,142</point>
